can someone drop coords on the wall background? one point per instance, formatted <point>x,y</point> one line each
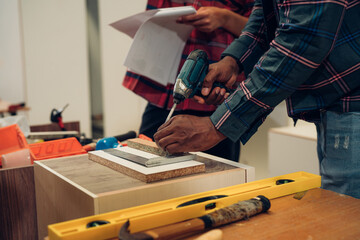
<point>45,61</point>
<point>54,53</point>
<point>12,75</point>
<point>122,109</point>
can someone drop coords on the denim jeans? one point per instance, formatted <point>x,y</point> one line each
<point>339,152</point>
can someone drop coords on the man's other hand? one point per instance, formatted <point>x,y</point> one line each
<point>225,72</point>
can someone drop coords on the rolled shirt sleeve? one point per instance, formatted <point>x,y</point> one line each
<point>304,38</point>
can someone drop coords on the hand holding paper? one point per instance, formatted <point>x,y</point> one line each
<point>158,42</point>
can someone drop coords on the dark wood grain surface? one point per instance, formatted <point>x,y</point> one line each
<point>17,204</point>
<point>69,126</point>
<point>320,214</point>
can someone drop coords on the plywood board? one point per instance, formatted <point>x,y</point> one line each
<point>146,146</point>
<point>146,174</point>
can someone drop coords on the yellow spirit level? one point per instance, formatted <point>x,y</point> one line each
<point>148,216</point>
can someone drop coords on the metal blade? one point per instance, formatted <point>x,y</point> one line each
<point>128,156</point>
<point>150,162</point>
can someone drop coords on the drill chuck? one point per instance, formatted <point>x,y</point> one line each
<point>181,91</point>
<point>178,98</point>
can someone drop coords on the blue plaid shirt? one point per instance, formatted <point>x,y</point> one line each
<point>313,62</point>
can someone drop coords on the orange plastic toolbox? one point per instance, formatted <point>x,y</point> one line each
<point>56,148</point>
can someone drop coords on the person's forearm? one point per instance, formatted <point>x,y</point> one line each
<point>250,46</point>
<point>294,55</point>
<point>233,22</point>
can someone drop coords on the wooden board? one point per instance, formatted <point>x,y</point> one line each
<point>146,146</point>
<point>69,126</point>
<point>146,174</point>
<point>58,199</point>
<point>320,214</point>
<point>17,204</point>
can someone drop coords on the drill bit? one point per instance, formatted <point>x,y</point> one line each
<point>171,112</point>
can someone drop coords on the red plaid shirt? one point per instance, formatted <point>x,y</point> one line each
<point>213,43</point>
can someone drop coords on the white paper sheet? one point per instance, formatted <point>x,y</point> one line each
<point>158,42</point>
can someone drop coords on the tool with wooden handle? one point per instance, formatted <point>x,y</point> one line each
<point>232,213</point>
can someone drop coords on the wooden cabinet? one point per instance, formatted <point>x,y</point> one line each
<point>17,204</point>
<point>74,187</point>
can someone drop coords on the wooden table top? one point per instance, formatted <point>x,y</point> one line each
<point>101,179</point>
<point>320,214</point>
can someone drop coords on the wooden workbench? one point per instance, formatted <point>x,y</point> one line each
<point>320,214</point>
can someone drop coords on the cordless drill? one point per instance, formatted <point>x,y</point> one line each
<point>191,77</point>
